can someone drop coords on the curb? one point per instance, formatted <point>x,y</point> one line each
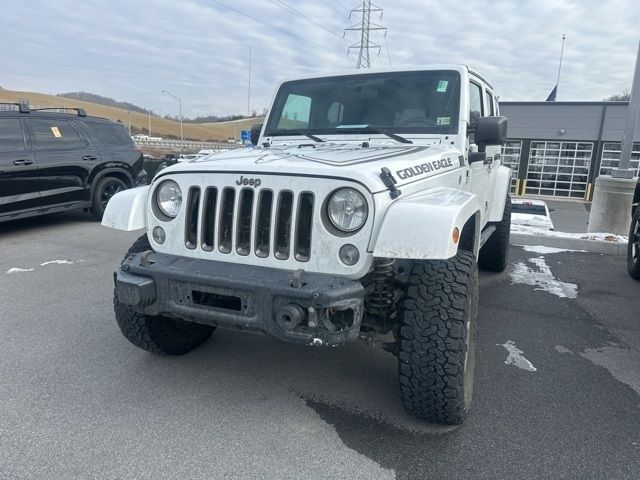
<point>593,246</point>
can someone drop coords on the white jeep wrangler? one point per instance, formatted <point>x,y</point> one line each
<point>364,207</point>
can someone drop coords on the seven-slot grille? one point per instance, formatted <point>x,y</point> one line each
<point>246,220</point>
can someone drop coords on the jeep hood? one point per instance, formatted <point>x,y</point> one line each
<point>407,163</point>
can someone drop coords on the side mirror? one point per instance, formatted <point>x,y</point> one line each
<point>490,131</point>
<point>255,133</point>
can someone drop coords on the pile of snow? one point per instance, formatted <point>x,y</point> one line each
<point>600,237</point>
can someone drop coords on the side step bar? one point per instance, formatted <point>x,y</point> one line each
<point>486,233</point>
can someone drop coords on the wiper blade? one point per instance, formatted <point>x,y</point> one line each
<point>376,129</point>
<point>306,134</point>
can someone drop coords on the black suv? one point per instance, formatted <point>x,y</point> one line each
<point>633,252</point>
<point>53,162</point>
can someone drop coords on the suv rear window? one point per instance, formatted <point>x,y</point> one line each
<point>111,134</point>
<point>55,134</point>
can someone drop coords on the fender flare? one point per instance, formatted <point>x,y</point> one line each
<point>127,210</point>
<point>500,192</point>
<point>420,226</point>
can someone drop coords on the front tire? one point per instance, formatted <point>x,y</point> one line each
<point>158,334</point>
<point>494,254</point>
<point>437,339</point>
<point>633,249</point>
<point>106,188</point>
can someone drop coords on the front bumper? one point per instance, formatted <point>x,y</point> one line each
<point>298,307</point>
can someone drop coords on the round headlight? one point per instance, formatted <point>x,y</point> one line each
<point>347,209</point>
<point>169,198</point>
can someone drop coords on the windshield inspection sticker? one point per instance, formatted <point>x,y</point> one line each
<point>56,132</point>
<point>443,121</point>
<point>442,86</point>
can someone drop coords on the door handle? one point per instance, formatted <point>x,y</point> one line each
<point>89,157</point>
<point>23,161</point>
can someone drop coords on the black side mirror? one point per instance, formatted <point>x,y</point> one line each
<point>490,131</point>
<point>255,133</point>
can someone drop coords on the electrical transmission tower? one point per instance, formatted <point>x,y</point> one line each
<point>365,26</point>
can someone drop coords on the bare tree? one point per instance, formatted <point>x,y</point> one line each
<point>625,96</point>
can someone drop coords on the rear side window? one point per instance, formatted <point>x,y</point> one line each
<point>111,134</point>
<point>11,135</point>
<point>55,134</point>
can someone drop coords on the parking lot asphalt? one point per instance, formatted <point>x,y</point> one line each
<point>78,401</point>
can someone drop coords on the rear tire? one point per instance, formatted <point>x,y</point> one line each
<point>494,254</point>
<point>633,249</point>
<point>158,334</point>
<point>106,188</point>
<point>437,339</point>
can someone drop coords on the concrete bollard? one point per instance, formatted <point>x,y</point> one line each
<point>611,206</point>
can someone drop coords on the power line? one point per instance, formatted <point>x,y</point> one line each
<point>346,9</point>
<point>365,27</point>
<point>274,27</point>
<point>333,7</point>
<point>283,5</point>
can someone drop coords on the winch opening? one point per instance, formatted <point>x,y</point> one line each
<point>208,299</point>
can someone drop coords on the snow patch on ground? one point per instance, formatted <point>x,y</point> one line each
<point>516,358</point>
<point>18,270</point>
<point>542,278</point>
<point>547,250</point>
<point>58,262</point>
<point>600,237</point>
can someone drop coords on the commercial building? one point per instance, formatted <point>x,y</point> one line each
<point>558,149</point>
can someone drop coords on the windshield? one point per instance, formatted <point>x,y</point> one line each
<point>400,102</point>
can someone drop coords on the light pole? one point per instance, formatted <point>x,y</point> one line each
<point>180,111</point>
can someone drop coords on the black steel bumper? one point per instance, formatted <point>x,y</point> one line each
<point>307,308</point>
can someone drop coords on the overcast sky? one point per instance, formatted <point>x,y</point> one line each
<point>198,49</point>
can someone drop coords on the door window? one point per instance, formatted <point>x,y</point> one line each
<point>489,103</point>
<point>11,135</point>
<point>475,102</point>
<point>58,134</point>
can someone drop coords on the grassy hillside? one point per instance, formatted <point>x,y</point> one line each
<point>139,121</point>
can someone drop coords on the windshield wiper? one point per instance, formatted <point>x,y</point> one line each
<point>306,134</point>
<point>376,129</point>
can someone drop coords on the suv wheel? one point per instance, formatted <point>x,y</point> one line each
<point>494,254</point>
<point>106,188</point>
<point>158,334</point>
<point>437,338</point>
<point>633,252</point>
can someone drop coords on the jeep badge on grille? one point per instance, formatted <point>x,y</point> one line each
<point>252,182</point>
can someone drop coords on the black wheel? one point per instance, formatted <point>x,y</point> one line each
<point>106,188</point>
<point>633,250</point>
<point>158,334</point>
<point>494,254</point>
<point>437,339</point>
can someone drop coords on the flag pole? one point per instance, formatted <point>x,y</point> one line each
<point>564,35</point>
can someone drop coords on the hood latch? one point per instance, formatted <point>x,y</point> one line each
<point>387,178</point>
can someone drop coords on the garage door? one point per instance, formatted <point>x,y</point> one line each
<point>511,158</point>
<point>611,158</point>
<point>559,169</point>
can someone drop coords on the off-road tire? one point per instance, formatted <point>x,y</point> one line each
<point>633,252</point>
<point>494,254</point>
<point>106,186</point>
<point>437,338</point>
<point>158,334</point>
